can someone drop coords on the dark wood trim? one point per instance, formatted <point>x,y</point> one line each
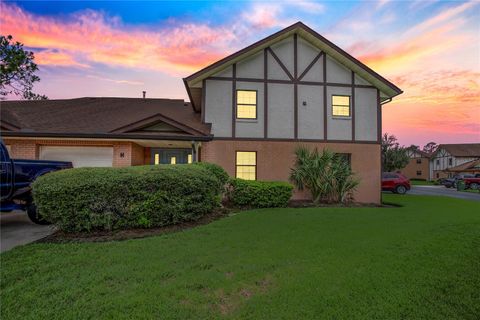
<point>352,109</point>
<point>249,165</point>
<point>280,63</point>
<point>325,113</point>
<point>295,86</point>
<point>204,96</point>
<point>234,98</point>
<point>310,66</point>
<point>295,53</point>
<point>379,118</point>
<point>288,29</point>
<point>260,139</point>
<point>310,83</point>
<point>265,93</point>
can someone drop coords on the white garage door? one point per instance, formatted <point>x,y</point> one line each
<point>79,156</point>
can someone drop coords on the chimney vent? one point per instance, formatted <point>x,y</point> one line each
<point>144,94</point>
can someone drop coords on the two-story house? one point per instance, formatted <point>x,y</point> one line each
<point>418,166</point>
<point>451,159</point>
<point>248,112</point>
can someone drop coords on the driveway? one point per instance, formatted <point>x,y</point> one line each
<point>16,230</point>
<point>442,191</point>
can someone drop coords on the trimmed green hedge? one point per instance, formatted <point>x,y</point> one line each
<point>214,169</point>
<point>260,194</point>
<point>87,199</point>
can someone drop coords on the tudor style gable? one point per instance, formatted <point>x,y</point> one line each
<point>299,87</point>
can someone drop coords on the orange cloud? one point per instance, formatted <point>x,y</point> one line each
<point>90,37</point>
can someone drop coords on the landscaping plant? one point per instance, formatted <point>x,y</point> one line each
<point>326,174</point>
<point>260,194</point>
<point>88,199</point>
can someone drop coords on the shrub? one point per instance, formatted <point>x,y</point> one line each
<point>87,199</point>
<point>327,175</point>
<point>217,171</point>
<point>260,194</point>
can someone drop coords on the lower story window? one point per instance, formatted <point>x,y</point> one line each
<point>246,165</point>
<point>419,173</point>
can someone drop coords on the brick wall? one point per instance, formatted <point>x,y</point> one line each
<point>124,153</point>
<point>275,158</point>
<point>410,171</point>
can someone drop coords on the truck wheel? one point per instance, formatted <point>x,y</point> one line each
<point>474,186</point>
<point>400,190</point>
<point>34,216</point>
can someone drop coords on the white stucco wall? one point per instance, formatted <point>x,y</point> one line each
<point>338,128</point>
<point>310,116</point>
<point>218,111</point>
<point>251,67</point>
<point>365,114</point>
<point>251,128</point>
<point>280,111</point>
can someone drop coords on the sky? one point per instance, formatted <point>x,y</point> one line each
<point>430,49</point>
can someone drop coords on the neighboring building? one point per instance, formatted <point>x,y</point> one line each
<point>248,113</point>
<point>419,165</point>
<point>448,159</point>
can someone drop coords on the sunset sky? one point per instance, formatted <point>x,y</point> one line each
<point>430,49</point>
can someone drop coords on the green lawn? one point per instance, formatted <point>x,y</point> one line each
<point>420,261</point>
<point>422,183</point>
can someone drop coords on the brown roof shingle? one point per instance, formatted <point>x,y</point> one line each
<point>103,116</point>
<point>462,149</point>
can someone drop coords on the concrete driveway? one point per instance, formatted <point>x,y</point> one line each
<point>442,191</point>
<point>16,230</point>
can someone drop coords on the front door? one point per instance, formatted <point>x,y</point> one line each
<point>170,156</point>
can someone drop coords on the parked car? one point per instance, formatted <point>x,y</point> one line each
<point>452,182</point>
<point>472,183</point>
<point>16,178</point>
<point>395,182</point>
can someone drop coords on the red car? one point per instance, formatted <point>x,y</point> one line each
<point>395,182</point>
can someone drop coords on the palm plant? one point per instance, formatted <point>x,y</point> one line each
<point>327,175</point>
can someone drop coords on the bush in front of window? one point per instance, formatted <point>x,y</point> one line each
<point>217,171</point>
<point>259,194</point>
<point>89,199</point>
<point>326,174</point>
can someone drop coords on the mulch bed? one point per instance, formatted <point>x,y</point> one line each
<point>103,236</point>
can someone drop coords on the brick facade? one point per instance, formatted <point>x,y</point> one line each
<point>124,153</point>
<point>275,158</point>
<point>415,170</point>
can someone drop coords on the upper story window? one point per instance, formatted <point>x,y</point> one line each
<point>246,104</point>
<point>419,161</point>
<point>450,161</point>
<point>438,162</point>
<point>246,165</point>
<point>341,106</point>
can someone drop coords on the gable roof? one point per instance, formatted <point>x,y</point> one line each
<point>386,87</point>
<point>461,149</point>
<point>101,117</point>
<point>472,166</point>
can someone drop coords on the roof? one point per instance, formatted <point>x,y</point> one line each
<point>386,87</point>
<point>102,117</point>
<point>461,150</point>
<point>467,166</point>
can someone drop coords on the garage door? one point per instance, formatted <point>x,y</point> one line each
<point>79,156</point>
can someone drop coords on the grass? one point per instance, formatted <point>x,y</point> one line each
<point>422,183</point>
<point>419,261</point>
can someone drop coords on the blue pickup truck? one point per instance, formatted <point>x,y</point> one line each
<point>16,178</point>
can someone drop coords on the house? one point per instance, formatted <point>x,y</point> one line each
<point>419,165</point>
<point>248,113</point>
<point>450,159</point>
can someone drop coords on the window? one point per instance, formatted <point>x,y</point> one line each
<point>450,161</point>
<point>419,173</point>
<point>189,158</point>
<point>341,106</point>
<point>419,161</point>
<point>437,175</point>
<point>246,165</point>
<point>246,104</point>
<point>347,157</point>
<point>157,158</point>
<point>173,160</point>
<point>438,162</point>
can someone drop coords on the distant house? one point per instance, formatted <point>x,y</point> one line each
<point>419,165</point>
<point>451,159</point>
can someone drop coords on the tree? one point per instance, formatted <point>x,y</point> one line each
<point>327,175</point>
<point>413,147</point>
<point>430,147</point>
<point>17,70</point>
<point>394,156</point>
